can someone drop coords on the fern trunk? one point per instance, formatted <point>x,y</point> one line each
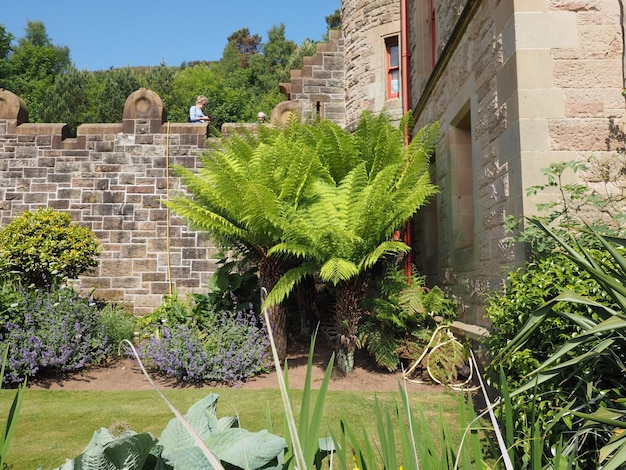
<point>307,305</point>
<point>347,316</point>
<point>270,271</point>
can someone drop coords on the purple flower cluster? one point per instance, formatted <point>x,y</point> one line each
<point>49,331</point>
<point>224,347</point>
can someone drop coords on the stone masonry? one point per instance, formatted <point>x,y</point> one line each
<point>366,24</point>
<point>516,85</point>
<point>112,178</point>
<point>318,88</point>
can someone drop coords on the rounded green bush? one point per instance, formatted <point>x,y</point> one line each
<point>44,248</point>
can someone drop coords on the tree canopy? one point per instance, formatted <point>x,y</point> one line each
<point>243,82</point>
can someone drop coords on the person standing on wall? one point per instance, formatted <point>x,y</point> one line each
<point>195,112</point>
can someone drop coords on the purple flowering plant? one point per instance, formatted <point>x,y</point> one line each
<point>210,345</point>
<point>49,331</point>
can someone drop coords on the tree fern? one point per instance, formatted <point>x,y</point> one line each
<point>244,189</point>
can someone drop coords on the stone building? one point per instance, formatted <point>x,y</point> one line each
<point>515,85</point>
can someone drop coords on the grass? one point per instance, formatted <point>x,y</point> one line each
<point>55,425</point>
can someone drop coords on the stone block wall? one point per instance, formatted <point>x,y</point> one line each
<point>518,85</point>
<point>112,178</point>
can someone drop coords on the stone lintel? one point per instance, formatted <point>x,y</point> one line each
<point>319,98</point>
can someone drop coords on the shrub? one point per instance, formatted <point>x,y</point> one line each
<point>578,391</point>
<point>224,346</point>
<point>45,248</point>
<point>538,287</point>
<point>53,330</point>
<point>117,323</point>
<point>527,289</point>
<point>234,282</point>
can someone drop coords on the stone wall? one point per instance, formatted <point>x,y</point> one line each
<point>112,178</point>
<point>518,85</point>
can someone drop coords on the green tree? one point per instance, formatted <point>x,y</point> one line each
<point>187,85</point>
<point>6,39</point>
<point>161,80</point>
<point>242,45</point>
<point>276,55</point>
<point>118,86</point>
<point>69,100</point>
<point>333,21</point>
<point>377,184</point>
<point>33,66</point>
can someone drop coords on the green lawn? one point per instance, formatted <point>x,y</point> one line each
<point>55,425</point>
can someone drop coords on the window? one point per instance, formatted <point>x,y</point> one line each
<point>393,67</point>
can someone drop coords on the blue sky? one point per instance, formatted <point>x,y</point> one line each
<point>117,33</point>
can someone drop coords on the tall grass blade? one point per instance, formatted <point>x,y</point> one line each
<point>508,464</point>
<point>309,429</point>
<point>291,422</point>
<point>16,406</point>
<point>211,457</point>
<point>405,401</point>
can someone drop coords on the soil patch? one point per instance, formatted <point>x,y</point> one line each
<point>125,374</point>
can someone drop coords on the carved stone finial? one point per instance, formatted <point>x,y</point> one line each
<point>282,112</point>
<point>12,107</point>
<point>144,112</point>
<point>144,104</point>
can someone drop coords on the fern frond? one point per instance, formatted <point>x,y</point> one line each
<point>382,346</point>
<point>287,282</point>
<point>336,150</point>
<point>262,210</point>
<point>336,270</point>
<point>382,250</point>
<point>292,250</point>
<point>426,138</point>
<point>206,220</point>
<point>303,166</point>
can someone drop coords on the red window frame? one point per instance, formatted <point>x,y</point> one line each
<point>393,67</point>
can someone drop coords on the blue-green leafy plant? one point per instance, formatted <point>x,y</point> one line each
<point>235,447</point>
